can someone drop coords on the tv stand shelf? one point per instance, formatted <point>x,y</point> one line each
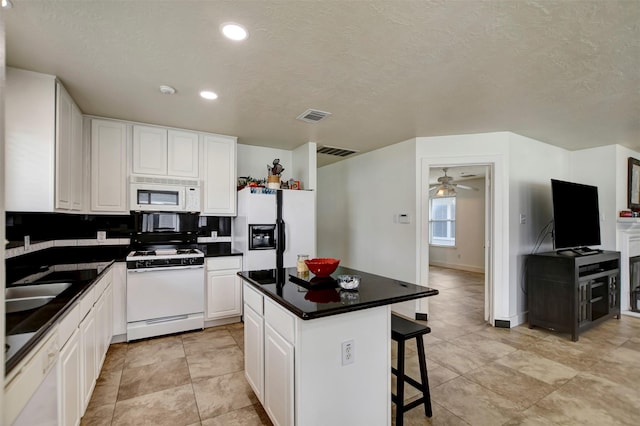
<point>571,294</point>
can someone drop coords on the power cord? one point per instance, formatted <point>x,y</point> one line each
<point>542,235</point>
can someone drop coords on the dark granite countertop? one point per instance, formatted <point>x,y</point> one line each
<point>24,329</point>
<point>309,297</point>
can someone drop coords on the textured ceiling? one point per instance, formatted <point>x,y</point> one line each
<point>563,72</point>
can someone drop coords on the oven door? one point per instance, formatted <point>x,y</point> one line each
<point>157,293</point>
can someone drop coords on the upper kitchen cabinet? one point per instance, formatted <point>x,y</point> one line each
<point>43,149</point>
<point>164,152</point>
<point>219,170</point>
<point>108,166</point>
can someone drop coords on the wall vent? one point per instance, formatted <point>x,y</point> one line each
<point>313,115</point>
<point>332,150</point>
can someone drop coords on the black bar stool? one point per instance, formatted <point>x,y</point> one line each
<point>401,331</point>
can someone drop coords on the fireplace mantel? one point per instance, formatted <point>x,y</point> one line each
<point>628,243</point>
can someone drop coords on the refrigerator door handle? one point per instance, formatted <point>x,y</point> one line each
<point>282,237</point>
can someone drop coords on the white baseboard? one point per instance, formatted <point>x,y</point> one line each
<point>631,314</point>
<point>224,321</point>
<point>461,267</point>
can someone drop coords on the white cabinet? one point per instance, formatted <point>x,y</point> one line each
<point>164,152</point>
<point>224,287</point>
<point>69,156</point>
<point>149,150</point>
<point>254,351</point>
<point>108,166</point>
<point>182,153</point>
<point>43,144</point>
<point>119,300</point>
<point>69,388</point>
<point>88,351</point>
<point>220,176</point>
<point>278,377</point>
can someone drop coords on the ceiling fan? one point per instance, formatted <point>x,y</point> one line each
<point>447,188</point>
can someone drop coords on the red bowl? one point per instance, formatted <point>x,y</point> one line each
<point>322,266</point>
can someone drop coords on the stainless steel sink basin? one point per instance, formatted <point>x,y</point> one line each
<point>40,290</point>
<point>25,304</point>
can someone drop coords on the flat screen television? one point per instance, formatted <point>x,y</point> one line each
<point>576,216</point>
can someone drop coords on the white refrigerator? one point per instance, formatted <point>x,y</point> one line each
<point>260,234</point>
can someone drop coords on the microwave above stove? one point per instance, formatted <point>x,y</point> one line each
<point>163,194</point>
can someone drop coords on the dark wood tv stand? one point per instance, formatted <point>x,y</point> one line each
<point>571,294</point>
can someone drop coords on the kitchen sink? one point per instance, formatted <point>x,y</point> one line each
<point>25,304</point>
<point>35,291</point>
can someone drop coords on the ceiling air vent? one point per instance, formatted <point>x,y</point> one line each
<point>332,150</point>
<point>313,115</point>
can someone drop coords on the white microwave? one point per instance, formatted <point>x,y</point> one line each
<point>164,194</point>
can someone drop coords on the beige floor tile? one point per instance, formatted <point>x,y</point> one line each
<point>487,348</point>
<point>513,385</point>
<point>416,416</point>
<point>473,403</point>
<point>115,357</point>
<point>238,337</point>
<point>253,415</point>
<point>456,358</point>
<point>223,394</point>
<point>151,378</point>
<point>592,400</point>
<point>538,367</point>
<point>622,365</point>
<point>98,415</point>
<point>106,388</point>
<point>204,341</point>
<point>150,351</point>
<point>565,352</point>
<point>172,407</point>
<point>216,362</point>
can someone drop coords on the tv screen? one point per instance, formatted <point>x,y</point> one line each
<point>576,215</point>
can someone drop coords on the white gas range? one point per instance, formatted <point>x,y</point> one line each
<point>165,283</point>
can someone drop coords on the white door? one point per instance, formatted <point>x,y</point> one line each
<point>278,378</point>
<point>254,351</point>
<point>299,215</point>
<point>224,295</point>
<point>108,166</point>
<point>70,394</point>
<point>182,153</point>
<point>220,177</point>
<point>149,150</point>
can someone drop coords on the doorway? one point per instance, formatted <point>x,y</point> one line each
<point>472,184</point>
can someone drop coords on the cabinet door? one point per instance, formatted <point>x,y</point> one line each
<point>278,377</point>
<point>76,159</point>
<point>614,294</point>
<point>254,351</point>
<point>118,285</point>
<point>149,150</point>
<point>224,295</point>
<point>219,175</point>
<point>108,166</point>
<point>88,350</point>
<point>182,154</point>
<point>64,146</point>
<point>101,330</point>
<point>69,380</point>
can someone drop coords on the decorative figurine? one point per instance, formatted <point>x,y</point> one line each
<point>277,168</point>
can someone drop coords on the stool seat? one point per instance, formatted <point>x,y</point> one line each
<point>402,330</point>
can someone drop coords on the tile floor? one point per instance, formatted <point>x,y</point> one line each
<point>479,375</point>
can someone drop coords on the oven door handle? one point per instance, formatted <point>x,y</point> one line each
<point>166,268</point>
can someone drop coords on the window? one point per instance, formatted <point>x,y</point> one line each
<point>442,221</point>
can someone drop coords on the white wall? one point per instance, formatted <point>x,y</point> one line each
<point>358,203</point>
<point>305,168</point>
<point>253,161</point>
<point>468,253</point>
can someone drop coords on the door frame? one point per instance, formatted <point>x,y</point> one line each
<point>495,203</point>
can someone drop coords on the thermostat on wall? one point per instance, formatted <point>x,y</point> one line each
<point>404,218</point>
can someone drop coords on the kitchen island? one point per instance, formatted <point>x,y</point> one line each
<point>316,354</point>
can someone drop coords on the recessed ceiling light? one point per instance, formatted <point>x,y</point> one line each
<point>208,95</point>
<point>167,90</point>
<point>6,4</point>
<point>234,31</point>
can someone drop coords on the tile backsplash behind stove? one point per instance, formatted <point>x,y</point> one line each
<point>60,226</point>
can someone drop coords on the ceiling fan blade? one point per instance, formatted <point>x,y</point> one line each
<point>471,188</point>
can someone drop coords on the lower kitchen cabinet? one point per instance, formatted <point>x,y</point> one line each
<point>69,382</point>
<point>119,300</point>
<point>278,377</point>
<point>88,354</point>
<point>224,288</point>
<point>253,351</point>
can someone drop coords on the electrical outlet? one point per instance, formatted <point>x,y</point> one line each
<point>27,242</point>
<point>214,235</point>
<point>102,235</point>
<point>348,352</point>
